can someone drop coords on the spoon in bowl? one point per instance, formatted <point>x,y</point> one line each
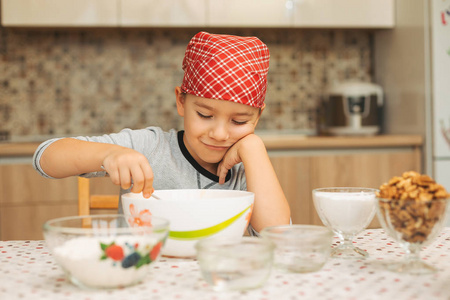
<point>155,196</point>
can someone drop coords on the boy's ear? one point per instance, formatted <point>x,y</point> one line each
<point>262,109</point>
<point>260,113</point>
<point>180,98</point>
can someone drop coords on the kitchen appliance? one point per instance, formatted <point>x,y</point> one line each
<point>351,108</point>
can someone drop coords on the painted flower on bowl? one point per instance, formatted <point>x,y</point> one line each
<point>139,219</point>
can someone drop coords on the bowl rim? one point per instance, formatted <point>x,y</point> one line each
<point>216,244</point>
<point>348,189</point>
<point>239,195</point>
<point>317,230</point>
<point>48,226</point>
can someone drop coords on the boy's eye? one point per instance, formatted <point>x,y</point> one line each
<point>209,117</point>
<point>239,122</point>
<point>203,116</point>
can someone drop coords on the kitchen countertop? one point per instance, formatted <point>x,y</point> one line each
<point>273,141</point>
<point>286,141</point>
<point>28,271</point>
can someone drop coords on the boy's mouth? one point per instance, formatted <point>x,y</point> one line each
<point>217,148</point>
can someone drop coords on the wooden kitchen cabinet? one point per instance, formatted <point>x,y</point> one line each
<point>200,13</point>
<point>59,13</point>
<point>104,13</point>
<point>27,200</point>
<point>299,174</point>
<point>167,13</point>
<point>251,13</point>
<point>344,13</point>
<point>302,13</point>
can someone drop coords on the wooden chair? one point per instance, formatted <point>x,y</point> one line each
<point>88,201</point>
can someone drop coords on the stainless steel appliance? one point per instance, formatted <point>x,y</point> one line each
<point>351,108</point>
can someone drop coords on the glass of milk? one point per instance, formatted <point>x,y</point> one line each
<point>346,211</point>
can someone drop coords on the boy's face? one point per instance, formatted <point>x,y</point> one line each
<point>213,126</point>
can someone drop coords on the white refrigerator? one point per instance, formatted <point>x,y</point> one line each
<point>440,78</point>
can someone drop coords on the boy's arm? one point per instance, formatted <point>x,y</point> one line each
<point>271,207</point>
<point>71,157</point>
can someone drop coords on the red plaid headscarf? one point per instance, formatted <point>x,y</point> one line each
<point>226,67</point>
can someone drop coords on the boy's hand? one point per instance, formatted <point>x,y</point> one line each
<point>128,167</point>
<point>234,155</point>
<point>270,206</point>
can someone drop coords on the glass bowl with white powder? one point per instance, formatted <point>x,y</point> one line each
<point>346,211</point>
<point>106,251</point>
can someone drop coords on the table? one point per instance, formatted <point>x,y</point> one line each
<point>28,271</point>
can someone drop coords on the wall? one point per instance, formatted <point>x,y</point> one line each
<point>402,68</point>
<point>89,81</point>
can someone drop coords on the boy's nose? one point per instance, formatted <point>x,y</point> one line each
<point>219,132</point>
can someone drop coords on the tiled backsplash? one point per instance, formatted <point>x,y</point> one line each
<point>89,81</point>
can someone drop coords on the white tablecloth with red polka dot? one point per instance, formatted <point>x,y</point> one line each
<point>28,271</point>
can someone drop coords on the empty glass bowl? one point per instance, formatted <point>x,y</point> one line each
<point>105,251</point>
<point>299,248</point>
<point>413,224</point>
<point>346,211</point>
<point>235,264</point>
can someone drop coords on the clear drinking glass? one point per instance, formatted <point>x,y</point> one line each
<point>413,224</point>
<point>346,211</point>
<point>299,248</point>
<point>229,264</point>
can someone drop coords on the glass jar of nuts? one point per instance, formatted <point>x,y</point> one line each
<point>412,210</point>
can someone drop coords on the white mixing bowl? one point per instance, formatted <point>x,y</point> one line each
<point>193,215</point>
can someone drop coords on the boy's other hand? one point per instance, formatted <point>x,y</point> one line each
<point>129,168</point>
<point>235,154</point>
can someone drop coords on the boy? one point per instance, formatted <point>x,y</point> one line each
<point>221,100</point>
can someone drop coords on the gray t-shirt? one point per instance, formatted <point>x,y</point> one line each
<point>173,166</point>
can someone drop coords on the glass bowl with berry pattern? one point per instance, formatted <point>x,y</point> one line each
<point>106,251</point>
